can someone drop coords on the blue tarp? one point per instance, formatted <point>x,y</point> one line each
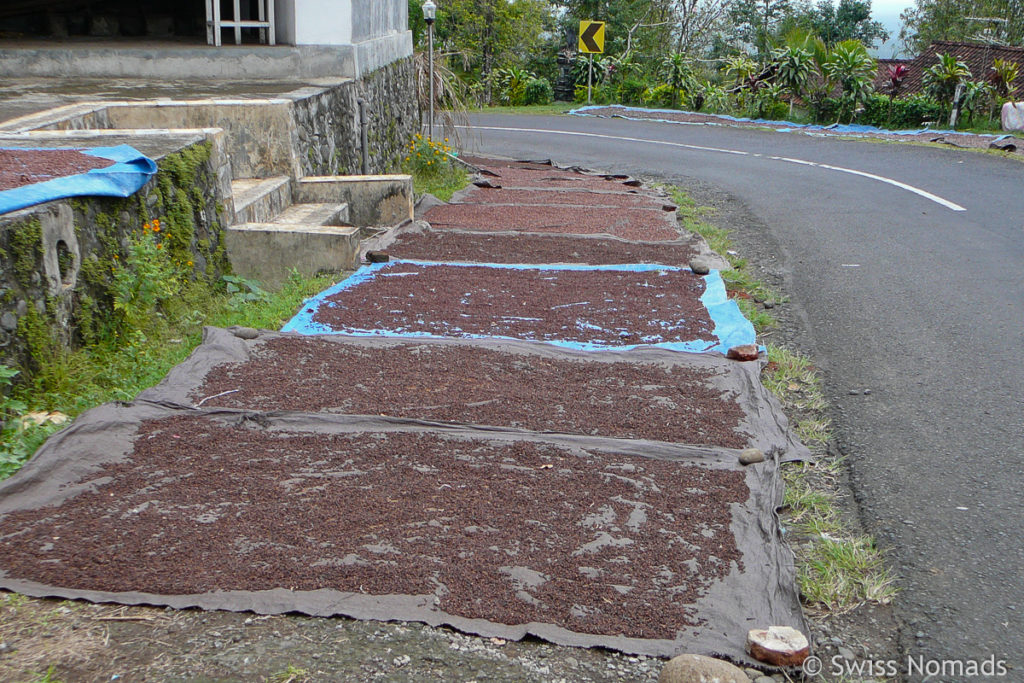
<point>124,178</point>
<point>850,128</point>
<point>731,328</point>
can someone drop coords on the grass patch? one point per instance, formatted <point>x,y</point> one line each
<point>292,674</point>
<point>836,570</point>
<point>842,573</point>
<point>535,109</point>
<point>117,369</point>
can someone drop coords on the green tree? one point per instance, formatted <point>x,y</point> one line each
<point>847,20</point>
<point>931,20</point>
<point>756,21</point>
<point>488,34</point>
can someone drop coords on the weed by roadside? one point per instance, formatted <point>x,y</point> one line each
<point>432,168</point>
<point>118,367</point>
<point>291,674</point>
<point>836,570</point>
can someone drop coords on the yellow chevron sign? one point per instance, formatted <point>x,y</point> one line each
<point>591,37</point>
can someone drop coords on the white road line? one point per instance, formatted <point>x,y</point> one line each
<point>700,148</point>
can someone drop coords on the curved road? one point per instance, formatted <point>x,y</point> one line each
<point>909,269</point>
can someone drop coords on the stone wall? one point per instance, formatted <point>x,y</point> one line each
<point>57,260</point>
<point>327,124</point>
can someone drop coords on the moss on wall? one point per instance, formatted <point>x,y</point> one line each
<point>179,207</point>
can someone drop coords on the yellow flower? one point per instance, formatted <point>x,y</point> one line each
<point>189,264</point>
<point>159,246</point>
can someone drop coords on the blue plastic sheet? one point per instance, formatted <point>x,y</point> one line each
<point>850,128</point>
<point>730,327</point>
<point>124,178</point>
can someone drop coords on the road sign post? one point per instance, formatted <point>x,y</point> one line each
<point>591,42</point>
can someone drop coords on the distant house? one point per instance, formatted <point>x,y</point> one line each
<point>977,56</point>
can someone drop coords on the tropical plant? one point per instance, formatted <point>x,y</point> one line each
<point>978,98</point>
<point>1004,73</point>
<point>716,100</point>
<point>896,75</point>
<point>677,72</point>
<point>794,66</point>
<point>850,68</point>
<point>740,68</point>
<point>511,84</point>
<point>941,80</point>
<point>766,102</point>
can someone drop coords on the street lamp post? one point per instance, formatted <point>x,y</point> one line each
<point>429,13</point>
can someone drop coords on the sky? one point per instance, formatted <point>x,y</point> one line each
<point>888,12</point>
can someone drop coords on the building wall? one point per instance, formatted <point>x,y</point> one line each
<point>339,22</point>
<point>374,18</point>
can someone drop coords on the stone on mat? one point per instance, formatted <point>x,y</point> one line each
<point>244,332</point>
<point>699,266</point>
<point>744,352</point>
<point>778,646</point>
<point>750,456</point>
<point>701,669</point>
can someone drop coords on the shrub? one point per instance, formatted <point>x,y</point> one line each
<point>659,96</point>
<point>425,157</point>
<point>538,91</point>
<point>511,85</point>
<point>631,91</point>
<point>903,113</point>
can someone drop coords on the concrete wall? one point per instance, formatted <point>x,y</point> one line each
<point>57,259</point>
<point>377,18</point>
<point>339,22</point>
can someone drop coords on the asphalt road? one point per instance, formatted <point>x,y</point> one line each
<point>903,294</point>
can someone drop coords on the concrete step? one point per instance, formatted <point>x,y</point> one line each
<point>268,252</point>
<point>374,200</point>
<point>260,199</point>
<point>313,214</point>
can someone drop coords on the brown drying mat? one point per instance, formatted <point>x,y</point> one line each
<point>417,240</point>
<point>490,196</point>
<point>20,167</point>
<point>600,307</point>
<point>640,394</point>
<point>629,224</point>
<point>545,174</point>
<point>580,541</point>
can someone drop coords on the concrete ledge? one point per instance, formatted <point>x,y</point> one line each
<point>374,200</point>
<point>175,63</point>
<point>268,252</point>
